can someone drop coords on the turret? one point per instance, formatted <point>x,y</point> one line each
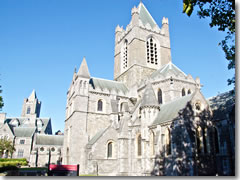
<point>118,33</point>
<point>149,106</point>
<point>135,16</point>
<point>165,27</point>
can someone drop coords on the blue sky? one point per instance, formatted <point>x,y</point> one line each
<point>42,41</point>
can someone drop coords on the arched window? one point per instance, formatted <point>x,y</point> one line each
<point>168,142</point>
<point>160,101</point>
<point>189,91</point>
<point>152,56</point>
<point>100,105</point>
<point>139,145</point>
<point>28,110</point>
<point>125,54</point>
<point>216,142</point>
<point>199,140</point>
<point>109,149</point>
<point>183,92</point>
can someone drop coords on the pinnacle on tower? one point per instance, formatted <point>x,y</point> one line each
<point>32,96</point>
<point>83,70</point>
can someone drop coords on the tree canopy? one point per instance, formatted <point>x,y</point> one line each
<point>7,147</point>
<point>222,14</point>
<point>1,99</point>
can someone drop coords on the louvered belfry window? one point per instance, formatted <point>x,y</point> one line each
<point>152,56</point>
<point>125,54</point>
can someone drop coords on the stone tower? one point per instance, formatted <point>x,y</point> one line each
<point>31,106</point>
<point>141,48</point>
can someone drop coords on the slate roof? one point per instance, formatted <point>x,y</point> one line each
<point>170,67</point>
<point>27,127</point>
<point>24,131</point>
<point>108,84</point>
<point>97,136</point>
<point>169,111</point>
<point>145,16</point>
<point>149,97</point>
<point>55,140</point>
<point>222,104</point>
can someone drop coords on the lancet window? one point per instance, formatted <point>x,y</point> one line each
<point>100,105</point>
<point>160,100</point>
<point>139,145</point>
<point>109,149</point>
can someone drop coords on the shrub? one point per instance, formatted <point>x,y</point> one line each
<point>13,162</point>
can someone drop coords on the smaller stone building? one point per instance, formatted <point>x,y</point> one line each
<point>46,149</point>
<point>31,134</point>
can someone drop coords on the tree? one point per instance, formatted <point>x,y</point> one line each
<point>1,99</point>
<point>7,147</point>
<point>222,14</point>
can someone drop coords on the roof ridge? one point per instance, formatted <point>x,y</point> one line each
<point>178,68</point>
<point>107,80</point>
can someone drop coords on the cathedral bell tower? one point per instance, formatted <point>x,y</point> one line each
<point>141,48</point>
<point>31,106</point>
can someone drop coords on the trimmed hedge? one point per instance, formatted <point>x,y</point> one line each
<point>7,160</point>
<point>13,162</point>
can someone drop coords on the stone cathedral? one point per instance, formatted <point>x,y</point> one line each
<point>152,119</point>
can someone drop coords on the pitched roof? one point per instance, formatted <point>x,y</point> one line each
<point>24,131</point>
<point>168,68</point>
<point>149,97</point>
<point>170,111</point>
<point>22,123</point>
<point>97,136</point>
<point>108,84</point>
<point>145,16</point>
<point>33,96</point>
<point>83,70</point>
<point>55,140</point>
